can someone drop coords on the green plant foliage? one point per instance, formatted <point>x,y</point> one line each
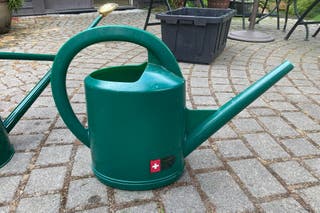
<point>205,2</point>
<point>317,17</point>
<point>302,5</point>
<point>190,3</point>
<point>15,4</point>
<point>176,3</point>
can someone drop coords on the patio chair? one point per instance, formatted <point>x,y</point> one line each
<point>275,9</point>
<point>300,19</point>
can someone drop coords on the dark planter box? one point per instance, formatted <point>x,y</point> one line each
<point>196,35</point>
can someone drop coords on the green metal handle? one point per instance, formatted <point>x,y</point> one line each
<point>158,53</point>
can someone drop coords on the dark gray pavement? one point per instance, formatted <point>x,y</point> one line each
<point>266,160</point>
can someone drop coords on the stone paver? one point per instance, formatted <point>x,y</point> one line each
<point>315,137</point>
<point>224,193</point>
<point>145,208</point>
<point>44,180</point>
<point>82,162</point>
<point>311,109</point>
<point>247,125</point>
<point>278,127</point>
<point>265,146</point>
<point>18,164</point>
<point>26,142</point>
<point>95,210</point>
<point>185,177</point>
<point>54,155</point>
<point>46,203</point>
<point>175,200</point>
<point>314,164</point>
<point>283,206</point>
<point>38,126</point>
<point>225,132</point>
<point>92,192</point>
<point>60,136</point>
<point>311,196</point>
<point>4,209</point>
<point>301,121</point>
<point>257,178</point>
<point>301,147</point>
<point>282,106</point>
<point>203,158</point>
<point>122,196</point>
<point>8,187</point>
<point>266,159</point>
<point>292,173</point>
<point>233,148</point>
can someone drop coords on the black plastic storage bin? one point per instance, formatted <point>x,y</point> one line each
<point>196,35</point>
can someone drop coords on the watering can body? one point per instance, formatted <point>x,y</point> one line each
<point>134,112</point>
<point>134,117</point>
<point>139,129</point>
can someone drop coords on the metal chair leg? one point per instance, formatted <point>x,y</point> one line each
<point>278,16</point>
<point>146,23</point>
<point>148,15</point>
<point>167,5</point>
<point>264,6</point>
<point>243,16</point>
<point>276,8</point>
<point>300,20</point>
<point>316,33</point>
<point>289,2</point>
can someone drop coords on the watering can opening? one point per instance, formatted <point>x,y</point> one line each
<point>126,73</point>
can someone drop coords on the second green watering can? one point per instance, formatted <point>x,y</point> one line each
<point>139,129</point>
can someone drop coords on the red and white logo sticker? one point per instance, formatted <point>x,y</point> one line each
<point>155,165</point>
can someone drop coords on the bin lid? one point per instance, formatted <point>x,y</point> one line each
<point>198,16</point>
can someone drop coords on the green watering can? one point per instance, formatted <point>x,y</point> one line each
<point>139,129</point>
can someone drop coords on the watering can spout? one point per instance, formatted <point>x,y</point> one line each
<point>213,122</point>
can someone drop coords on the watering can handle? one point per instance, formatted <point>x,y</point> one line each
<point>158,53</point>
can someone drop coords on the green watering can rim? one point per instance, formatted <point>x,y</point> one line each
<point>147,79</point>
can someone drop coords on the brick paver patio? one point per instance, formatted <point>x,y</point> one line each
<point>266,160</point>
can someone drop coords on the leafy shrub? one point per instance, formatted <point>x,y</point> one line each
<point>302,5</point>
<point>15,4</point>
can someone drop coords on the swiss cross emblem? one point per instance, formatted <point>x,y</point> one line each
<point>155,166</point>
